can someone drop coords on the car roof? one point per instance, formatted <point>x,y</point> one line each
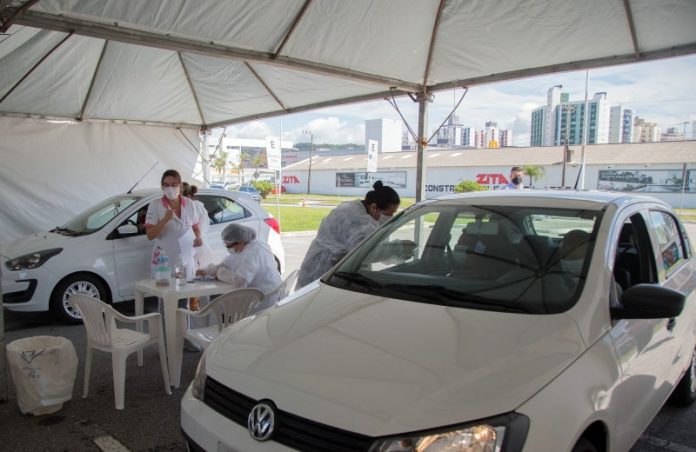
<point>244,198</point>
<point>584,199</point>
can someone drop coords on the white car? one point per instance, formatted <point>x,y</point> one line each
<point>104,251</point>
<point>495,321</point>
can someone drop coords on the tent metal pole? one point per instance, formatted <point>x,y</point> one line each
<point>297,20</point>
<point>91,83</point>
<point>3,358</point>
<point>631,26</point>
<point>203,140</point>
<point>268,88</point>
<point>423,99</point>
<point>193,90</point>
<point>433,37</point>
<point>33,68</point>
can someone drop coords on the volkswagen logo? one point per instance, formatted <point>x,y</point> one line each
<point>261,421</point>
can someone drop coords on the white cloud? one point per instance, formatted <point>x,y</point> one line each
<point>330,130</point>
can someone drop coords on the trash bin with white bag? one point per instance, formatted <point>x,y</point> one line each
<point>43,370</point>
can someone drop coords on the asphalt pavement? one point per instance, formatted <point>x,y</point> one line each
<point>150,420</point>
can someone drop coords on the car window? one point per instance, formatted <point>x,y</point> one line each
<point>97,216</point>
<point>222,210</point>
<point>669,239</point>
<point>476,256</point>
<point>634,262</point>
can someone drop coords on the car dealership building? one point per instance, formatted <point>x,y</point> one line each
<point>666,170</point>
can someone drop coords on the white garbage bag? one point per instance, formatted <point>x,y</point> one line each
<point>43,370</point>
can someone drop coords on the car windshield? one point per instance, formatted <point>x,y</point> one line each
<point>515,259</point>
<point>96,216</point>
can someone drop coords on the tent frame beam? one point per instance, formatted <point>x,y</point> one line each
<point>265,85</point>
<point>433,37</point>
<point>34,67</point>
<point>295,22</point>
<point>631,27</point>
<point>193,90</point>
<point>149,39</point>
<point>91,83</point>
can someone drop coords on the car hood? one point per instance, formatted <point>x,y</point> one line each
<point>37,242</point>
<point>380,366</point>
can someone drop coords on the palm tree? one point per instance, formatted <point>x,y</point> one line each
<point>240,168</point>
<point>534,171</point>
<point>257,162</point>
<point>220,164</point>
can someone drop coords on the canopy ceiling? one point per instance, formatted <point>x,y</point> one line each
<point>218,62</point>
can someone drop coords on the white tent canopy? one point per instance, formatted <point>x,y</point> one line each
<point>219,62</point>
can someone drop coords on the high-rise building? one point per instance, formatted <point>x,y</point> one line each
<point>386,132</point>
<point>450,134</point>
<point>469,137</point>
<point>569,121</point>
<point>491,137</point>
<point>544,119</point>
<point>620,124</point>
<point>693,130</point>
<point>505,138</point>
<point>645,132</point>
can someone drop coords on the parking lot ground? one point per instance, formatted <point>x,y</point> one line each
<point>150,420</point>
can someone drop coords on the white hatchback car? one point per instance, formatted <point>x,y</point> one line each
<point>104,251</point>
<point>495,321</point>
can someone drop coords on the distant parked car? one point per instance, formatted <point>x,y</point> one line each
<point>217,186</point>
<point>275,190</point>
<point>497,321</point>
<point>252,191</point>
<point>103,251</point>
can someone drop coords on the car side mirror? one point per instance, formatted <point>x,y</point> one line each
<point>127,229</point>
<point>648,301</point>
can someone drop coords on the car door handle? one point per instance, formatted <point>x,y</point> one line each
<point>671,323</point>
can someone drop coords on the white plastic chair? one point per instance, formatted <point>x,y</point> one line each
<point>288,285</point>
<point>99,320</point>
<point>227,309</point>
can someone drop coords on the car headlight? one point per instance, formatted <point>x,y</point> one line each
<point>32,260</point>
<point>502,433</point>
<point>198,385</point>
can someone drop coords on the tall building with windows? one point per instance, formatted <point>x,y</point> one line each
<point>544,119</point>
<point>621,124</point>
<point>569,121</point>
<point>505,138</point>
<point>645,132</point>
<point>450,134</point>
<point>385,131</point>
<point>469,137</point>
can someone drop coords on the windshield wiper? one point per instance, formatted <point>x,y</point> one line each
<point>359,279</point>
<point>454,298</point>
<point>65,230</point>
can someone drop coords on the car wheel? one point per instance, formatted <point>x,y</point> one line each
<point>585,445</point>
<point>78,283</point>
<point>685,392</point>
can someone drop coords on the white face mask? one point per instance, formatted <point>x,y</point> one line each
<point>572,266</point>
<point>171,192</point>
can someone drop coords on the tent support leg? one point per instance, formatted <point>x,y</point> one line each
<point>423,99</point>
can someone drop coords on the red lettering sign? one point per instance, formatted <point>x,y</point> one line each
<point>291,180</point>
<point>491,179</point>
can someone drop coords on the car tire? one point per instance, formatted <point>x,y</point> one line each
<point>82,283</point>
<point>685,392</point>
<point>585,445</point>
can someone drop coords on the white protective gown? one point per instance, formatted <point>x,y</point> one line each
<point>254,267</point>
<point>202,254</point>
<point>340,231</point>
<point>177,235</point>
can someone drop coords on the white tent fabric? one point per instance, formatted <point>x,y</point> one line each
<point>218,62</point>
<point>51,172</point>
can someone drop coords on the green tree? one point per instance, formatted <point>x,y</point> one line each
<point>243,157</point>
<point>534,171</point>
<point>259,160</point>
<point>220,163</point>
<point>466,186</point>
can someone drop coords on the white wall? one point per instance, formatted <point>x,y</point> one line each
<point>441,180</point>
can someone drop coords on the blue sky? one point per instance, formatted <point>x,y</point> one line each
<point>662,91</point>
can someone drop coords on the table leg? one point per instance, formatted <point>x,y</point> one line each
<point>174,352</point>
<point>139,308</point>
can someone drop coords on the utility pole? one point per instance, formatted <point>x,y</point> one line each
<point>309,171</point>
<point>566,149</point>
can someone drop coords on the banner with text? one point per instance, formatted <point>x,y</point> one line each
<point>273,153</point>
<point>372,153</point>
<point>394,179</point>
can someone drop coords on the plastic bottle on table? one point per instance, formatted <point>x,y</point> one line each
<point>162,271</point>
<point>180,272</point>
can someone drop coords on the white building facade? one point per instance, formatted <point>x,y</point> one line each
<point>386,132</point>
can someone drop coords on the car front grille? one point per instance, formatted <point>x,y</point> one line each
<point>291,430</point>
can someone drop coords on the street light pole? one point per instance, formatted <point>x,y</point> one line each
<point>566,153</point>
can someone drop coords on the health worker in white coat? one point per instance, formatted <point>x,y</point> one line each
<point>202,255</point>
<point>344,228</point>
<point>171,221</point>
<point>250,263</point>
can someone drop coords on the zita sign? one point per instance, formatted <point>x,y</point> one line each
<point>491,179</point>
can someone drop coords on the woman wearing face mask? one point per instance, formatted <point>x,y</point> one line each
<point>250,263</point>
<point>344,228</point>
<point>172,223</point>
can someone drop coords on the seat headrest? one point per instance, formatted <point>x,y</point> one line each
<point>574,244</point>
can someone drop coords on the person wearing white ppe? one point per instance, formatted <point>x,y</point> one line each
<point>249,264</point>
<point>202,254</point>
<point>171,221</point>
<point>344,228</point>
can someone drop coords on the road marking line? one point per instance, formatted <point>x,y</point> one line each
<point>665,444</point>
<point>110,444</point>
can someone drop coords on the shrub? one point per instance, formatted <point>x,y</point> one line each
<point>263,186</point>
<point>466,186</point>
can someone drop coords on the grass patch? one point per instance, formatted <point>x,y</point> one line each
<point>293,219</point>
